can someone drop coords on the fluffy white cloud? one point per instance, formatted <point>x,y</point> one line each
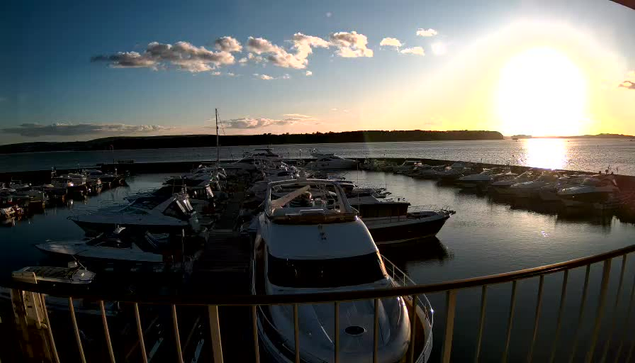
<point>413,50</point>
<point>182,55</point>
<point>296,58</point>
<point>228,44</point>
<point>390,42</point>
<point>351,44</point>
<point>308,73</point>
<point>329,14</point>
<point>68,129</point>
<point>260,122</point>
<point>426,33</point>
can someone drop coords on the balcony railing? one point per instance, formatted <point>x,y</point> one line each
<point>602,344</point>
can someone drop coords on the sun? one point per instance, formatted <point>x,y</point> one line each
<point>541,93</point>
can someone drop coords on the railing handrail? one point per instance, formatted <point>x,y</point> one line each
<point>312,298</point>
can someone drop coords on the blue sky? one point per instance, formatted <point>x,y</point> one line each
<point>50,90</point>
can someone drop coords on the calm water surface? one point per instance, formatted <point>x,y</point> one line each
<point>484,237</point>
<point>573,154</point>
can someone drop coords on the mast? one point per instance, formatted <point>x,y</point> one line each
<point>217,138</point>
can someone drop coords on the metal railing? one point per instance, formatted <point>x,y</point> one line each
<point>408,289</point>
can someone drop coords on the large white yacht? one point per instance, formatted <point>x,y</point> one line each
<point>599,192</point>
<point>151,213</point>
<point>310,240</point>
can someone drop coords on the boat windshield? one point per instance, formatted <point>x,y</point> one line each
<point>325,273</point>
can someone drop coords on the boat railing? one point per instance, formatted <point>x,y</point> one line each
<point>402,278</point>
<point>601,331</point>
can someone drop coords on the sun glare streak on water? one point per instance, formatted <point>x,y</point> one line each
<point>545,153</point>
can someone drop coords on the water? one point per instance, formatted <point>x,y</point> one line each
<point>572,154</point>
<point>483,237</point>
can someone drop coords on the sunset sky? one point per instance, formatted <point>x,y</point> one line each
<point>77,70</point>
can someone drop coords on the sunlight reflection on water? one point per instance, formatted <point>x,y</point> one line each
<point>545,153</point>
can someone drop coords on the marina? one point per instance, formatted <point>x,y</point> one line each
<point>398,201</point>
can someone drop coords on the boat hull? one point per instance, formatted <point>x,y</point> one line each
<point>390,230</point>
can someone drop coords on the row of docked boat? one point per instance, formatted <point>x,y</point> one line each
<point>18,199</point>
<point>573,190</point>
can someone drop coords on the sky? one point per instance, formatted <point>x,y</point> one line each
<point>78,70</point>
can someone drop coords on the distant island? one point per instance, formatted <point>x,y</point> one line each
<point>181,141</point>
<point>598,136</point>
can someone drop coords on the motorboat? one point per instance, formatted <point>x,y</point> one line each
<point>479,180</point>
<point>549,191</point>
<point>406,167</point>
<point>530,189</point>
<point>502,186</point>
<point>598,192</point>
<point>77,186</point>
<point>59,186</point>
<point>74,276</point>
<point>454,172</point>
<point>121,245</point>
<point>390,222</point>
<point>265,153</point>
<point>310,240</point>
<point>93,180</point>
<point>430,172</point>
<point>151,213</point>
<point>331,162</point>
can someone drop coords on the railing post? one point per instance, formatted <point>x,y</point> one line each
<point>104,320</point>
<point>177,335</point>
<point>449,325</point>
<point>214,326</point>
<point>510,320</point>
<point>337,331</point>
<point>536,318</point>
<point>617,302</point>
<point>296,333</point>
<point>481,324</point>
<point>375,330</point>
<point>78,337</point>
<point>563,297</point>
<point>606,272</point>
<point>413,328</point>
<point>626,320</point>
<point>254,326</point>
<point>142,344</point>
<point>585,291</point>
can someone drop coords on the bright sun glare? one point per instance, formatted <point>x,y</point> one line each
<point>541,92</point>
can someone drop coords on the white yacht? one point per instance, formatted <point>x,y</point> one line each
<point>117,246</point>
<point>330,162</point>
<point>599,192</point>
<point>406,167</point>
<point>530,189</point>
<point>502,186</point>
<point>151,213</point>
<point>309,241</point>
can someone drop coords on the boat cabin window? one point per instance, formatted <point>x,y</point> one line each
<point>176,210</point>
<point>325,273</point>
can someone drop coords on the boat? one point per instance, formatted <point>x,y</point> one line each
<point>74,276</point>
<point>330,162</point>
<point>93,180</point>
<point>453,172</point>
<point>502,186</point>
<point>390,223</point>
<point>58,188</point>
<point>152,213</point>
<point>600,192</point>
<point>121,245</point>
<point>406,167</point>
<point>530,189</point>
<point>310,241</point>
<point>480,180</point>
<point>265,153</point>
<point>78,186</point>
